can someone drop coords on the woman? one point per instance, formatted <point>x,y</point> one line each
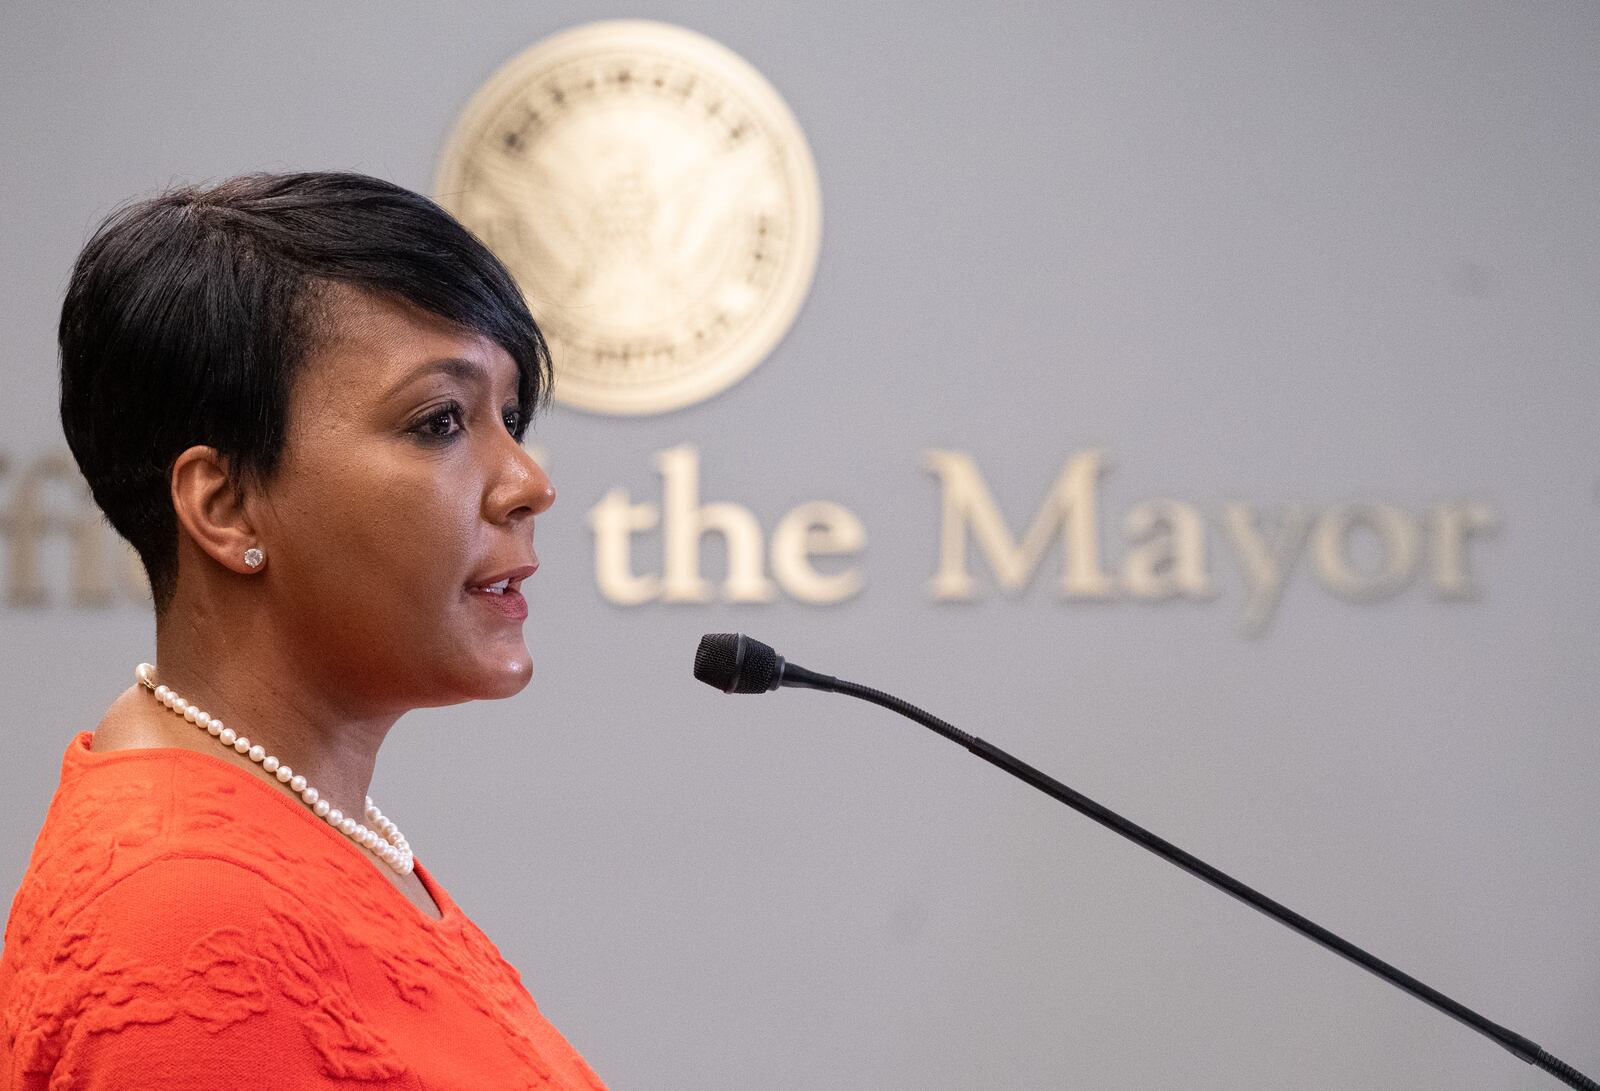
<point>302,399</point>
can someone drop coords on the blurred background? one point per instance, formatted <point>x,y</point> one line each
<point>1322,276</point>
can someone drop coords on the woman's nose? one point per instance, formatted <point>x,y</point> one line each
<point>548,496</point>
<point>523,489</point>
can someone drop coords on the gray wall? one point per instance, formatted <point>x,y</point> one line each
<point>1276,253</point>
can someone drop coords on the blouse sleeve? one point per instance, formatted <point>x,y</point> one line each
<point>201,972</point>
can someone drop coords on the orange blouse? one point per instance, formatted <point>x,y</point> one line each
<point>183,924</point>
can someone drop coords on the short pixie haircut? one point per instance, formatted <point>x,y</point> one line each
<point>189,314</point>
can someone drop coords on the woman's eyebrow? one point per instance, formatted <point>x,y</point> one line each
<point>465,370</point>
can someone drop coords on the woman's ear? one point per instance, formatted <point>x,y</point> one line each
<point>211,511</point>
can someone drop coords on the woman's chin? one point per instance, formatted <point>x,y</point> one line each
<point>507,678</point>
<point>484,670</point>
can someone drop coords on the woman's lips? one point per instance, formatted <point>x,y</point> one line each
<point>508,603</point>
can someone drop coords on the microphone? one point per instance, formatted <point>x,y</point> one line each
<point>735,663</point>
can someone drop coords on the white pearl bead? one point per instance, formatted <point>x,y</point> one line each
<point>227,736</point>
<point>258,753</point>
<point>322,808</point>
<point>216,727</point>
<point>161,693</point>
<point>335,817</point>
<point>270,763</point>
<point>242,744</point>
<point>348,826</point>
<point>203,719</point>
<point>284,773</point>
<point>297,784</point>
<point>191,713</point>
<point>178,705</point>
<point>310,795</point>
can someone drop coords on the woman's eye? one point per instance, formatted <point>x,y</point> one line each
<point>513,419</point>
<point>438,425</point>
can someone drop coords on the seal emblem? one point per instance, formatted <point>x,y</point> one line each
<point>656,201</point>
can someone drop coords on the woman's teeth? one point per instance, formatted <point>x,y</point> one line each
<point>497,588</point>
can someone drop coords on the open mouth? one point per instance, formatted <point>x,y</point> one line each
<point>501,591</point>
<point>506,581</point>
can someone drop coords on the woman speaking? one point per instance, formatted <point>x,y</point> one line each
<point>302,399</point>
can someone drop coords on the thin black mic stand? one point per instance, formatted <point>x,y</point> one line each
<point>736,663</point>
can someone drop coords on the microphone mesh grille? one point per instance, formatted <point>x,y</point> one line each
<point>716,660</point>
<point>735,663</point>
<point>759,670</point>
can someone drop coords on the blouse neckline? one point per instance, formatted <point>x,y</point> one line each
<point>80,755</point>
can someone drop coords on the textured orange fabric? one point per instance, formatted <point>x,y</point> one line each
<point>183,924</point>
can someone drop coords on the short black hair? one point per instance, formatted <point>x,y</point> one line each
<point>189,314</point>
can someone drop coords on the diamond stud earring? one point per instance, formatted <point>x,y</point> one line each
<point>252,557</point>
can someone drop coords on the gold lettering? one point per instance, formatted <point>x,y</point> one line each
<point>615,521</point>
<point>1266,564</point>
<point>1168,557</point>
<point>685,521</point>
<point>26,522</point>
<point>1451,524</point>
<point>816,529</point>
<point>1397,537</point>
<point>968,507</point>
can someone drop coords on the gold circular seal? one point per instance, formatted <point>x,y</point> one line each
<point>656,201</point>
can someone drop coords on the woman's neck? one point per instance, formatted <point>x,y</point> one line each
<point>257,691</point>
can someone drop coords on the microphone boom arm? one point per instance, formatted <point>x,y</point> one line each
<point>771,671</point>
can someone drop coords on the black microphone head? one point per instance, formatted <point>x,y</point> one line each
<point>735,663</point>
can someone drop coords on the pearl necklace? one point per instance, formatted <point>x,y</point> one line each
<point>386,841</point>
